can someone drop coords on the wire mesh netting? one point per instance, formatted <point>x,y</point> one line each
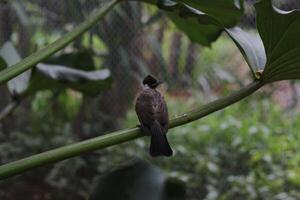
<point>127,49</point>
<point>132,41</point>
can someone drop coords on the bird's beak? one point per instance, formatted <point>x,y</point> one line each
<point>159,82</point>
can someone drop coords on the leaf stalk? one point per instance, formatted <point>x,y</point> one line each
<point>118,137</point>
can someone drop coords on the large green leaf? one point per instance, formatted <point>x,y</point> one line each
<point>79,59</point>
<point>136,181</point>
<point>48,76</point>
<point>279,56</point>
<point>11,56</point>
<point>226,12</point>
<point>203,34</point>
<point>202,20</point>
<point>59,76</point>
<point>251,47</point>
<point>280,33</point>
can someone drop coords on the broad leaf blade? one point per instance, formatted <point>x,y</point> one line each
<point>202,20</point>
<point>251,47</point>
<point>227,12</point>
<point>10,55</point>
<point>280,31</point>
<point>48,76</point>
<point>82,59</point>
<point>203,34</point>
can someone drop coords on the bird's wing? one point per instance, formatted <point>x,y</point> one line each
<point>163,116</point>
<point>144,109</point>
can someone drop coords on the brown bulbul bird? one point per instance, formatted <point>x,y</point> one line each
<point>153,115</point>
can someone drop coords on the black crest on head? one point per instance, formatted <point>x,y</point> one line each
<point>148,80</point>
<point>151,81</point>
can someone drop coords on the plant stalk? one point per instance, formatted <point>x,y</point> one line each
<point>62,153</point>
<point>33,59</point>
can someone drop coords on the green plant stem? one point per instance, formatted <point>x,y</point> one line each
<point>33,59</point>
<point>62,153</point>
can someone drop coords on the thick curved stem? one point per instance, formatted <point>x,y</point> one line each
<point>62,153</point>
<point>49,50</point>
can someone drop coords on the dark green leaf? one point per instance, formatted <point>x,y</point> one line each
<point>3,64</point>
<point>203,34</point>
<point>203,20</point>
<point>250,46</point>
<point>10,55</point>
<point>226,12</point>
<point>46,76</point>
<point>280,33</point>
<point>137,181</point>
<point>82,59</point>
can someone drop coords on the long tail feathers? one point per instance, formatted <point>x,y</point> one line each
<point>159,144</point>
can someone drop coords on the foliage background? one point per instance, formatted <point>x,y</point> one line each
<point>247,151</point>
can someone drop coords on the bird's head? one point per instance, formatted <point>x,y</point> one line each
<point>151,82</point>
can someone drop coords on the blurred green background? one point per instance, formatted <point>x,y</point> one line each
<point>250,150</point>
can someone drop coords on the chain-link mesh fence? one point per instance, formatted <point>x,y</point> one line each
<point>133,41</point>
<point>127,47</point>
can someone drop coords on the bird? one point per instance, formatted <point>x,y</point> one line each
<point>153,116</point>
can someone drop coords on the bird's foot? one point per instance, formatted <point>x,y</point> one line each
<point>144,130</point>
